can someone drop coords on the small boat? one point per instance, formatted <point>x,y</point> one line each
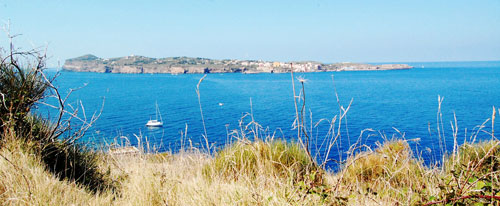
<point>155,122</point>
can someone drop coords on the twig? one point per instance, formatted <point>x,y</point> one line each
<point>462,198</point>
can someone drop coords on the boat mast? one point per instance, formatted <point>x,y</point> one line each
<point>156,104</point>
<point>161,120</point>
<point>158,112</point>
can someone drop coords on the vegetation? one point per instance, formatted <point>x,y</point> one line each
<point>471,175</point>
<point>22,85</point>
<point>253,159</point>
<point>182,179</point>
<point>91,63</point>
<point>390,171</point>
<point>41,162</point>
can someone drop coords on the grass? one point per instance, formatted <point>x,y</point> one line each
<point>24,180</point>
<point>41,164</point>
<point>391,172</point>
<point>471,175</point>
<point>482,157</point>
<point>253,159</point>
<point>387,175</point>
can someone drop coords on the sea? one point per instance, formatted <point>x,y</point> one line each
<point>432,106</point>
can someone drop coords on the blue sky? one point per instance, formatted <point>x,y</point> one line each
<point>327,31</point>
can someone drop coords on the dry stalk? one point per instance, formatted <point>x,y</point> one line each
<point>440,129</point>
<point>205,136</point>
<point>493,123</point>
<point>296,108</point>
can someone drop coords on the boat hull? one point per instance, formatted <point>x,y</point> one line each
<point>154,124</point>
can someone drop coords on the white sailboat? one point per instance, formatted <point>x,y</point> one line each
<point>155,122</point>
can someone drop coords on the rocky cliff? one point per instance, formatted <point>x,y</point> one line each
<point>184,65</point>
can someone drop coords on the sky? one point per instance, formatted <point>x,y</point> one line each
<point>292,30</point>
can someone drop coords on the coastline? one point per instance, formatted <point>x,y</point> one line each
<point>190,65</point>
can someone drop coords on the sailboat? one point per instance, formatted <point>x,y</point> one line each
<point>155,122</point>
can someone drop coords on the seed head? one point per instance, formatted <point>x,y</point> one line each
<point>301,79</point>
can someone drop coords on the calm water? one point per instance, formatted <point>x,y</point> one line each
<point>382,100</point>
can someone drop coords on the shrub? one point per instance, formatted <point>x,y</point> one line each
<point>22,85</point>
<point>76,163</point>
<point>20,89</point>
<point>471,175</point>
<point>483,158</point>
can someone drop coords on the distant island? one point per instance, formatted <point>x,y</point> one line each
<point>186,65</point>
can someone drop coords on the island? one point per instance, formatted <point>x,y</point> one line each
<point>186,65</point>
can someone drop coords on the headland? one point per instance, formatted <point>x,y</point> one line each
<point>186,65</point>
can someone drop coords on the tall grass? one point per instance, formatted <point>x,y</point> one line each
<point>253,159</point>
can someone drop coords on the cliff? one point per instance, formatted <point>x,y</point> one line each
<point>184,65</point>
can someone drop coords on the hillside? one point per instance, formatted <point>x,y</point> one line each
<point>183,65</point>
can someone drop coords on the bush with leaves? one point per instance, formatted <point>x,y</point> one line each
<point>23,84</point>
<point>471,176</point>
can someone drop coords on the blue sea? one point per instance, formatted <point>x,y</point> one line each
<point>398,103</point>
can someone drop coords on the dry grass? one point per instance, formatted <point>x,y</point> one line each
<point>252,159</point>
<point>25,181</point>
<point>389,175</point>
<point>482,157</point>
<point>194,178</point>
<point>145,179</point>
<point>390,172</point>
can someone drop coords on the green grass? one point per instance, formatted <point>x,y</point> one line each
<point>251,159</point>
<point>391,171</point>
